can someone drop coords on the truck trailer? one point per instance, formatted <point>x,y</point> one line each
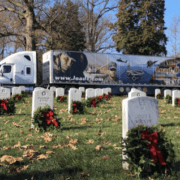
<point>92,70</point>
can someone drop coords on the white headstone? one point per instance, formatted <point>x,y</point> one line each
<point>167,91</point>
<point>74,95</point>
<point>90,92</point>
<point>4,93</point>
<point>22,88</point>
<point>41,98</point>
<point>38,88</point>
<point>135,92</point>
<point>82,89</point>
<point>135,111</point>
<point>109,89</point>
<point>157,91</point>
<point>98,92</point>
<point>175,94</point>
<point>105,91</point>
<point>59,92</point>
<point>16,90</point>
<point>53,88</point>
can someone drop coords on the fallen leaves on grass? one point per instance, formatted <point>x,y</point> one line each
<point>163,111</point>
<point>10,159</point>
<point>84,175</point>
<point>99,148</point>
<point>91,141</point>
<point>168,117</point>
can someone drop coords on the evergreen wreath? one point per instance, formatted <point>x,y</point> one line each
<point>106,96</point>
<point>18,98</point>
<point>7,106</point>
<point>92,102</point>
<point>41,121</point>
<point>159,96</point>
<point>168,99</point>
<point>77,107</point>
<point>139,156</point>
<point>24,94</point>
<point>177,102</point>
<point>61,99</point>
<point>101,99</point>
<point>110,95</point>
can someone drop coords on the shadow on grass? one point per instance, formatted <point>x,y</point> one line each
<point>40,175</point>
<point>170,124</point>
<point>80,127</point>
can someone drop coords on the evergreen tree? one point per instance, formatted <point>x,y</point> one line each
<point>65,32</point>
<point>140,27</point>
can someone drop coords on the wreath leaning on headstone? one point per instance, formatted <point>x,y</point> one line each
<point>168,99</point>
<point>44,119</point>
<point>18,98</point>
<point>159,96</point>
<point>177,102</point>
<point>149,152</point>
<point>7,106</point>
<point>61,99</point>
<point>92,102</point>
<point>24,94</point>
<point>77,107</point>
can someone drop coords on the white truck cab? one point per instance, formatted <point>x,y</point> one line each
<point>19,68</point>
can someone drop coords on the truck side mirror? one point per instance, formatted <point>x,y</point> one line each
<point>1,72</point>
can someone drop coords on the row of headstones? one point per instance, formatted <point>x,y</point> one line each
<point>173,93</point>
<point>6,94</point>
<point>42,97</point>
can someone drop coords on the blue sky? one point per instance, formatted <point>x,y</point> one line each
<point>172,8</point>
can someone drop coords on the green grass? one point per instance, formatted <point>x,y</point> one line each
<point>79,160</point>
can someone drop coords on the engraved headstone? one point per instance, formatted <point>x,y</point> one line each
<point>16,90</point>
<point>98,92</point>
<point>167,91</point>
<point>135,111</point>
<point>41,98</point>
<point>59,92</point>
<point>38,88</point>
<point>135,92</point>
<point>74,95</point>
<point>157,91</point>
<point>4,93</point>
<point>175,94</point>
<point>90,92</point>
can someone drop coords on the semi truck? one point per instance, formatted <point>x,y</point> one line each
<point>92,70</point>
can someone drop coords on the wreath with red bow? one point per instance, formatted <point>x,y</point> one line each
<point>7,106</point>
<point>77,107</point>
<point>177,102</point>
<point>149,152</point>
<point>61,99</point>
<point>107,97</point>
<point>18,98</point>
<point>44,119</point>
<point>24,94</point>
<point>168,99</point>
<point>110,95</point>
<point>92,102</point>
<point>159,96</point>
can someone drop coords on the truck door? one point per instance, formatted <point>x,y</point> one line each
<point>8,74</point>
<point>28,74</point>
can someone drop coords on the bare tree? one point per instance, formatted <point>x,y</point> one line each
<point>24,21</point>
<point>95,16</point>
<point>174,35</point>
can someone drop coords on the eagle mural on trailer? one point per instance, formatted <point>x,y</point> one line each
<point>88,67</point>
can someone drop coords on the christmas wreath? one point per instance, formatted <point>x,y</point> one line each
<point>177,102</point>
<point>44,119</point>
<point>106,96</point>
<point>149,152</point>
<point>159,96</point>
<point>7,106</point>
<point>18,98</point>
<point>77,107</point>
<point>61,99</point>
<point>168,99</point>
<point>101,99</point>
<point>83,94</point>
<point>24,94</point>
<point>92,102</point>
<point>110,95</point>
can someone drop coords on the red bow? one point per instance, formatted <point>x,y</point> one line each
<point>153,149</point>
<point>18,96</point>
<point>50,118</point>
<point>75,107</point>
<point>93,101</point>
<point>61,98</point>
<point>99,98</point>
<point>3,105</point>
<point>178,100</point>
<point>106,96</point>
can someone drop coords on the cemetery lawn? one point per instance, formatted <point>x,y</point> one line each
<point>87,147</point>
